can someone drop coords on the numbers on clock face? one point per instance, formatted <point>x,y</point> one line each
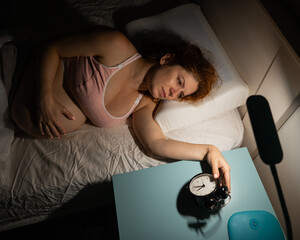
<point>202,184</point>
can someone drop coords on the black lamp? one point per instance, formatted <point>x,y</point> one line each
<point>268,144</point>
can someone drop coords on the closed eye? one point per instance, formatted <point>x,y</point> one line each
<point>181,95</point>
<point>179,81</point>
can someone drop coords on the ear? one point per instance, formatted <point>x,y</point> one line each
<point>167,58</point>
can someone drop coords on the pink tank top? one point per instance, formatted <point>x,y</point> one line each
<point>86,79</point>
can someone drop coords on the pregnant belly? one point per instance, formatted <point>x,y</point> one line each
<point>65,100</point>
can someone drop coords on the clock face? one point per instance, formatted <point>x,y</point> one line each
<point>202,184</point>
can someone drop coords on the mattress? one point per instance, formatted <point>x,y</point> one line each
<point>45,178</point>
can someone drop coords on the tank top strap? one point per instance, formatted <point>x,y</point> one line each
<point>129,60</point>
<point>138,99</point>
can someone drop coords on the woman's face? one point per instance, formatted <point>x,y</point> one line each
<point>171,83</point>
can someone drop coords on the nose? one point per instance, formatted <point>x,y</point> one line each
<point>173,93</point>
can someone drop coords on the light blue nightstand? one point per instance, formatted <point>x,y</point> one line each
<point>153,203</point>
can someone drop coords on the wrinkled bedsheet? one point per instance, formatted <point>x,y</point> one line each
<point>43,175</point>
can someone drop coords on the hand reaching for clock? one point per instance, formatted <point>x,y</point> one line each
<point>218,163</point>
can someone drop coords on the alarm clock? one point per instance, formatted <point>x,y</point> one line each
<point>208,191</point>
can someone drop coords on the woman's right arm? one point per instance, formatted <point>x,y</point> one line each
<point>158,146</point>
<point>108,45</point>
<point>47,108</point>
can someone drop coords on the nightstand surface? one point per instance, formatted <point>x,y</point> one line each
<point>154,203</point>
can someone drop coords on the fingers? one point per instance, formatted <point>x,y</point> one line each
<point>50,121</point>
<point>215,169</point>
<point>218,163</point>
<point>48,131</point>
<point>225,169</point>
<point>51,130</point>
<point>227,180</point>
<point>41,128</point>
<point>68,114</point>
<point>54,130</point>
<point>226,177</point>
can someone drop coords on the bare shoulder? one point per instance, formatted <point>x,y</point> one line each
<point>116,47</point>
<point>144,125</point>
<point>106,44</point>
<point>146,105</point>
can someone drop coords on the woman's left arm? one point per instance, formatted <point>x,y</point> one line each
<point>157,145</point>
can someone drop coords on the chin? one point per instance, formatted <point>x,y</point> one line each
<point>154,94</point>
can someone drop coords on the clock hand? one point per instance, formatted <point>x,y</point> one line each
<point>199,187</point>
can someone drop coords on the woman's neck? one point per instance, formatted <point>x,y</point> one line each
<point>140,75</point>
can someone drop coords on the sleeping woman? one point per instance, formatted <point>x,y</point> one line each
<point>99,76</point>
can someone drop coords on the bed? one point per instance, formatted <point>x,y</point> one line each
<point>42,179</point>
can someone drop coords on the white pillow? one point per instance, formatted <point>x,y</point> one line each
<point>189,22</point>
<point>225,131</point>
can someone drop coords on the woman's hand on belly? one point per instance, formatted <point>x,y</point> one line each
<point>49,112</point>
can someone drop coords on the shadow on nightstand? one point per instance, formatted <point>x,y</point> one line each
<point>197,217</point>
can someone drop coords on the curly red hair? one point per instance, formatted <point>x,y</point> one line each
<point>190,57</point>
